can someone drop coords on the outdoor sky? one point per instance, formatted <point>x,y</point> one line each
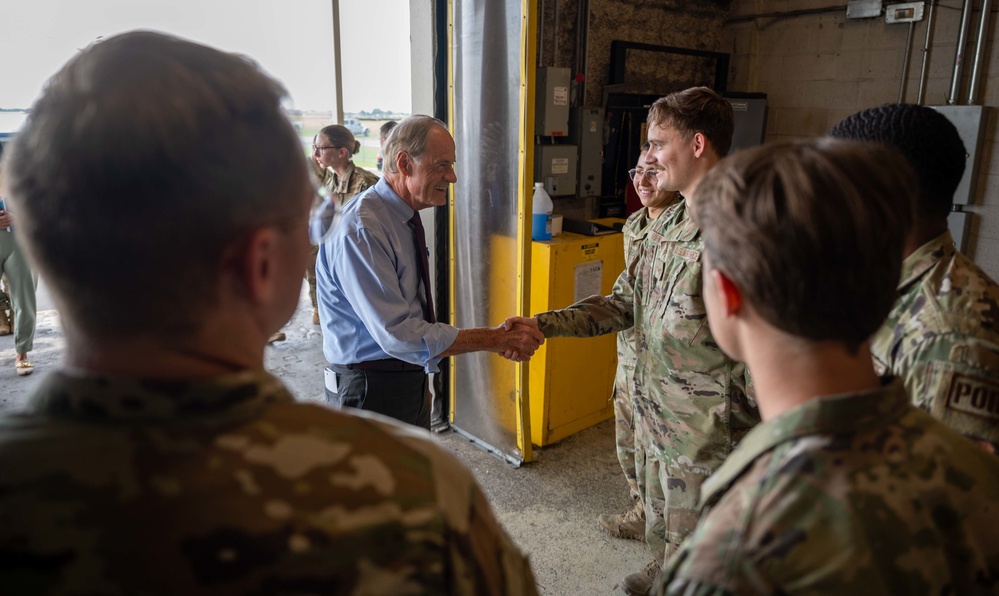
<point>292,40</point>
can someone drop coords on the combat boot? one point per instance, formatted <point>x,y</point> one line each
<point>629,525</point>
<point>639,584</point>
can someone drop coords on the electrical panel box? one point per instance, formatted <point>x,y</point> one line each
<point>750,115</point>
<point>863,9</point>
<point>586,130</point>
<point>551,115</point>
<point>907,12</point>
<point>970,124</point>
<point>555,165</point>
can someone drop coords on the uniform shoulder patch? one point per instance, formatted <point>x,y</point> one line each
<point>974,395</point>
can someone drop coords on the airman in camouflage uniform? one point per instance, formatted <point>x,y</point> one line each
<point>942,336</point>
<point>227,485</point>
<point>331,150</point>
<point>163,459</point>
<point>631,524</point>
<point>691,400</point>
<point>845,487</point>
<point>860,493</point>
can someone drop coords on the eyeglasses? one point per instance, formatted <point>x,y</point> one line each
<point>323,217</point>
<point>647,174</point>
<point>321,149</point>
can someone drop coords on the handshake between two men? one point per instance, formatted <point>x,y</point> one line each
<point>526,338</point>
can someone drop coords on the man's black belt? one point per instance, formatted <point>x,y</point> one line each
<point>386,365</point>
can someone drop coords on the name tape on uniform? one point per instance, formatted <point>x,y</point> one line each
<point>974,395</point>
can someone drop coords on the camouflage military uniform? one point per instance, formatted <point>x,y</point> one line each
<point>690,399</point>
<point>635,231</point>
<point>227,486</point>
<point>351,184</point>
<point>857,493</point>
<point>942,338</point>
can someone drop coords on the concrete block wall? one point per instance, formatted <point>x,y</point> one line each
<point>681,23</point>
<point>696,25</point>
<point>818,68</point>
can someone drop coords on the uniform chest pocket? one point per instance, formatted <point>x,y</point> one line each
<point>651,282</point>
<point>677,302</point>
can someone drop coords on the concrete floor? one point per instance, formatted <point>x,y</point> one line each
<point>549,507</point>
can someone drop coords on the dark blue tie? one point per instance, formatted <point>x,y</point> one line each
<point>420,239</point>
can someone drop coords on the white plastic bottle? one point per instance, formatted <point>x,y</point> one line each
<point>541,208</point>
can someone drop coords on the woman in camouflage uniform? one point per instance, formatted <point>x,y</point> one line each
<point>334,148</point>
<point>331,151</point>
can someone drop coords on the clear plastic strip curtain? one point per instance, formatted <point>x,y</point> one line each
<point>486,59</point>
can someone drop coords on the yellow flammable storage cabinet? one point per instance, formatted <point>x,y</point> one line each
<point>572,379</point>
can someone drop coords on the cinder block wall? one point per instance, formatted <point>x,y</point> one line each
<point>681,23</point>
<point>818,68</point>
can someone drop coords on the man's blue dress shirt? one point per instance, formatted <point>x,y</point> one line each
<point>368,286</point>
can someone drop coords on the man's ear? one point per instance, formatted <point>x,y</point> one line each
<point>729,293</point>
<point>404,163</point>
<point>700,144</point>
<point>255,265</point>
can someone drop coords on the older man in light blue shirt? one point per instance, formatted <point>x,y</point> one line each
<point>375,306</point>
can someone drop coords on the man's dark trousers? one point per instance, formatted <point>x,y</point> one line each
<point>388,387</point>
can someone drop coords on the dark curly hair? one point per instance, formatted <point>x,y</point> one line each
<point>927,139</point>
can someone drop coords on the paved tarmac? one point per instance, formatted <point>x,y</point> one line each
<point>549,507</point>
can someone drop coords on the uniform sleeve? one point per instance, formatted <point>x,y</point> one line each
<point>955,378</point>
<point>672,582</point>
<point>596,315</point>
<point>483,559</point>
<point>497,566</point>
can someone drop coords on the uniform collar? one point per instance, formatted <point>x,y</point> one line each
<point>675,224</point>
<point>925,258</point>
<point>96,398</point>
<point>342,183</point>
<point>826,415</point>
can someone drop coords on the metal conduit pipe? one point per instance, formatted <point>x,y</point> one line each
<point>962,42</point>
<point>579,52</point>
<point>555,36</point>
<point>923,73</point>
<point>976,65</point>
<point>541,36</point>
<point>905,63</point>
